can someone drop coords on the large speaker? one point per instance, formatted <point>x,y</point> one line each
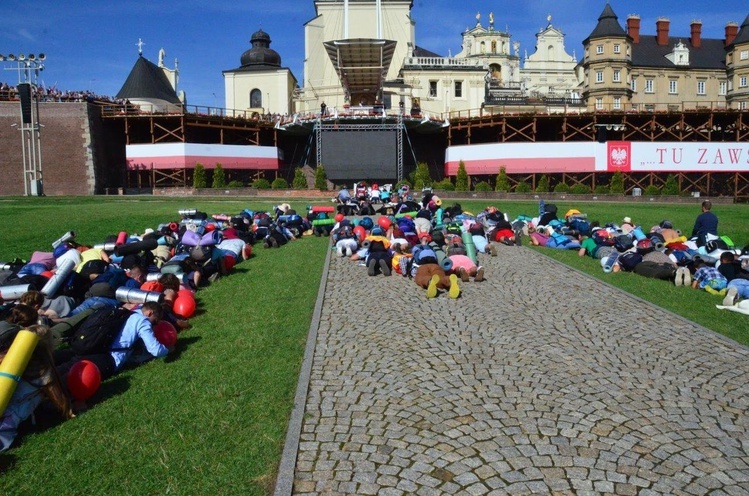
<point>24,93</point>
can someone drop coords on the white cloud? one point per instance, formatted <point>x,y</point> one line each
<point>23,33</point>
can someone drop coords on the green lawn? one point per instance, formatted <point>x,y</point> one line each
<point>211,419</point>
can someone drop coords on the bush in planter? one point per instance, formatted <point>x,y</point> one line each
<point>601,189</point>
<point>616,186</point>
<point>261,183</point>
<point>198,176</point>
<point>421,178</point>
<point>461,178</point>
<point>279,183</point>
<point>321,179</point>
<point>523,187</point>
<point>543,184</point>
<point>561,188</point>
<point>300,181</point>
<point>445,185</point>
<point>652,190</point>
<point>580,189</point>
<point>235,184</point>
<point>503,182</point>
<point>671,187</point>
<point>219,177</point>
<point>483,186</point>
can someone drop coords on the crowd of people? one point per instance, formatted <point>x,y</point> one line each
<point>54,94</point>
<point>119,303</point>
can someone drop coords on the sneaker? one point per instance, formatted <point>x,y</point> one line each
<point>687,277</point>
<point>493,249</point>
<point>432,289</point>
<point>213,277</point>
<point>273,242</point>
<point>384,267</point>
<point>403,262</point>
<point>730,298</point>
<point>371,266</point>
<point>479,274</point>
<point>349,251</point>
<point>518,238</point>
<point>679,276</point>
<point>463,274</point>
<point>508,242</point>
<point>454,288</point>
<point>339,251</point>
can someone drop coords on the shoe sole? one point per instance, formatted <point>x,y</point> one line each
<point>679,278</point>
<point>730,298</point>
<point>432,289</point>
<point>454,288</point>
<point>371,268</point>
<point>463,274</point>
<point>687,277</point>
<point>479,275</point>
<point>384,267</point>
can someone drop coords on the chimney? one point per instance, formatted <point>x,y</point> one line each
<point>633,27</point>
<point>732,29</point>
<point>661,27</point>
<point>696,34</point>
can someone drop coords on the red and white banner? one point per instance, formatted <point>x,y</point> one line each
<point>625,156</point>
<point>187,155</point>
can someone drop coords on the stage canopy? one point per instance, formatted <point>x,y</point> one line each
<point>361,64</point>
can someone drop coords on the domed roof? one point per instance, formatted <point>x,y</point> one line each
<point>260,53</point>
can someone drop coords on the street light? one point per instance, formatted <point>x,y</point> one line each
<point>28,67</point>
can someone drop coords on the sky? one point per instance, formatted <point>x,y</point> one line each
<point>92,45</point>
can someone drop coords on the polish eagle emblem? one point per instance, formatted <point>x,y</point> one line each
<point>619,156</point>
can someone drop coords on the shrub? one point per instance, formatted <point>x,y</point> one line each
<point>219,177</point>
<point>300,181</point>
<point>483,186</point>
<point>652,190</point>
<point>421,178</point>
<point>461,178</point>
<point>543,184</point>
<point>279,183</point>
<point>580,189</point>
<point>261,183</point>
<point>198,177</point>
<point>601,189</point>
<point>616,186</point>
<point>562,188</point>
<point>671,187</point>
<point>445,185</point>
<point>503,182</point>
<point>321,179</point>
<point>235,184</point>
<point>523,187</point>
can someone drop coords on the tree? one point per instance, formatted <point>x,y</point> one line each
<point>523,187</point>
<point>672,185</point>
<point>616,186</point>
<point>543,184</point>
<point>321,179</point>
<point>300,181</point>
<point>483,186</point>
<point>198,176</point>
<point>503,182</point>
<point>421,176</point>
<point>279,183</point>
<point>219,177</point>
<point>461,178</point>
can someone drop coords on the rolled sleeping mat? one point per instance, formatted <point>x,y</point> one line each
<point>221,217</point>
<point>162,241</point>
<point>9,293</point>
<point>187,211</point>
<point>173,226</point>
<point>365,244</point>
<point>467,238</point>
<point>638,234</point>
<point>680,239</point>
<point>135,295</point>
<point>116,258</point>
<point>54,283</point>
<point>438,216</point>
<point>608,262</point>
<point>323,222</point>
<point>327,209</point>
<point>62,239</point>
<point>106,246</point>
<point>658,244</point>
<point>136,247</point>
<point>412,214</point>
<point>153,276</point>
<point>14,364</point>
<point>442,259</point>
<point>11,265</point>
<point>121,238</point>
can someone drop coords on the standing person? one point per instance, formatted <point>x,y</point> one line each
<point>706,223</point>
<point>323,109</point>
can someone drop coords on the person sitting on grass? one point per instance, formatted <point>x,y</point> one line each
<point>709,278</point>
<point>737,277</point>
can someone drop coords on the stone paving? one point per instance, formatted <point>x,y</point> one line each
<point>538,380</point>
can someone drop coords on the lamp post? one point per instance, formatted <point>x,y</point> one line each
<point>28,67</point>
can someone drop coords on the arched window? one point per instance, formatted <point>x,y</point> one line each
<point>482,46</point>
<point>256,98</point>
<point>550,52</point>
<point>494,46</point>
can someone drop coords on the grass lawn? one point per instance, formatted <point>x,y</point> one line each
<point>211,418</point>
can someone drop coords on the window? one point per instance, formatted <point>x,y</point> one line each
<point>722,88</point>
<point>617,48</point>
<point>256,98</point>
<point>617,76</point>
<point>744,55</point>
<point>649,86</point>
<point>599,76</point>
<point>599,103</point>
<point>673,86</point>
<point>617,103</point>
<point>700,87</point>
<point>742,106</point>
<point>634,85</point>
<point>458,89</point>
<point>494,46</point>
<point>742,82</point>
<point>433,88</point>
<point>599,49</point>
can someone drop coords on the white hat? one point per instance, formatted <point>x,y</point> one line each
<point>627,220</point>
